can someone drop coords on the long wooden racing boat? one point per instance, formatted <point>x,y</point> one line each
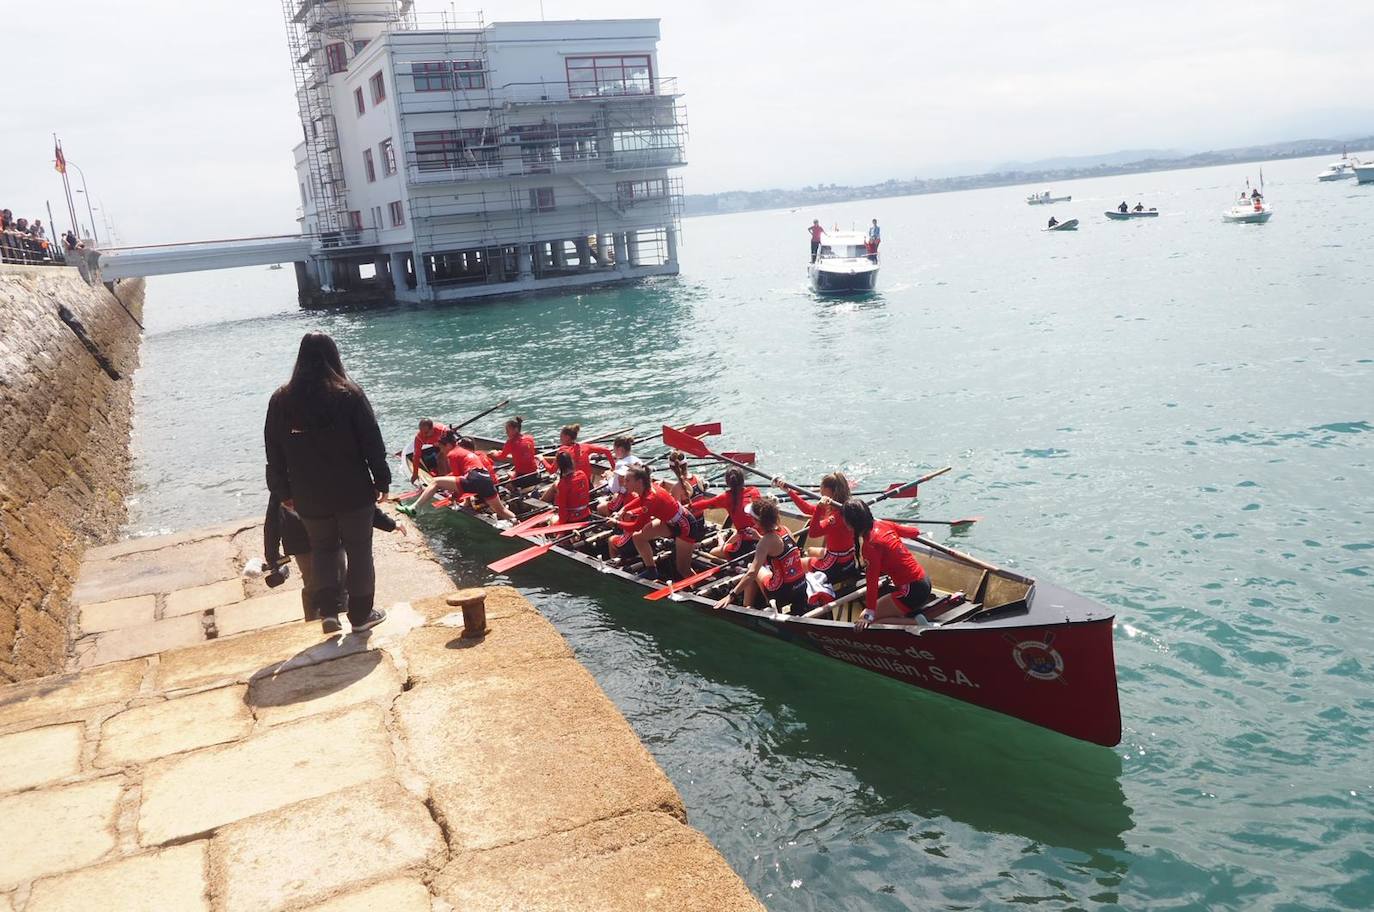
<point>998,639</point>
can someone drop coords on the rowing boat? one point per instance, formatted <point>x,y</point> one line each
<point>1120,216</point>
<point>1006,642</point>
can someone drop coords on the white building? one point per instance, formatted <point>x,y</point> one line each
<point>452,162</point>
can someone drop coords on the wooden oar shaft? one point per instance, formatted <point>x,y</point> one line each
<point>952,552</point>
<point>502,404</point>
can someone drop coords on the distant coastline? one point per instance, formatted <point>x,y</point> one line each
<point>750,200</point>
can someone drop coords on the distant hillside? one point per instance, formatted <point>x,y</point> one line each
<point>1049,170</point>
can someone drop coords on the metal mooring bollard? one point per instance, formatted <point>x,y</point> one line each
<point>474,605</point>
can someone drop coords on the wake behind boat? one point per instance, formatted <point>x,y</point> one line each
<point>996,638</point>
<point>843,265</point>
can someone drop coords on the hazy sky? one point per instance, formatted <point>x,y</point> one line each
<point>182,114</point>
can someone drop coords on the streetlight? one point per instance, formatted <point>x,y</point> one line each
<point>88,198</point>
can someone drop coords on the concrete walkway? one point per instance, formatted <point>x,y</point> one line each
<point>211,751</point>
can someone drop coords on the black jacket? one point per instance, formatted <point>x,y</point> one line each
<point>283,533</point>
<point>332,462</point>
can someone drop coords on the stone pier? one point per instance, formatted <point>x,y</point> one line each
<point>209,750</point>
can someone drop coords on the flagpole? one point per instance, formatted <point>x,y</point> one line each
<point>61,165</point>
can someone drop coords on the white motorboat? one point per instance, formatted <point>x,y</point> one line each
<point>1249,211</point>
<point>1364,172</point>
<point>1044,199</point>
<point>1338,170</point>
<point>843,265</point>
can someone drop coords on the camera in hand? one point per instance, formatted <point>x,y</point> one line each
<point>278,574</point>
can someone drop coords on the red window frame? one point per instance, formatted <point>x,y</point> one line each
<point>378,83</point>
<point>369,166</point>
<point>646,189</point>
<point>542,199</point>
<point>355,220</point>
<point>443,76</point>
<point>388,157</point>
<point>358,101</point>
<point>337,57</point>
<point>592,75</point>
<point>398,214</point>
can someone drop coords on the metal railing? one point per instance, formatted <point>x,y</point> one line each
<point>18,248</point>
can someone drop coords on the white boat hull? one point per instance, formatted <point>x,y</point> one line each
<point>1046,200</point>
<point>1247,215</point>
<point>1364,173</point>
<point>843,276</point>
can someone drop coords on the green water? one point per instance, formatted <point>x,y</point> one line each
<point>1170,416</point>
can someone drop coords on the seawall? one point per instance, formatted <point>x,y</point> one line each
<point>68,350</point>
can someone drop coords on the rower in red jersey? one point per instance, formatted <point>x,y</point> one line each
<point>582,453</point>
<point>835,558</point>
<point>430,432</point>
<point>469,472</point>
<point>735,499</point>
<point>521,451</point>
<point>776,574</point>
<point>884,554</point>
<point>571,492</point>
<point>654,513</point>
<point>688,486</point>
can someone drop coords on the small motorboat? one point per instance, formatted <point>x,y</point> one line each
<point>1131,214</point>
<point>275,266</point>
<point>843,265</point>
<point>1044,199</point>
<point>1338,170</point>
<point>1364,172</point>
<point>1066,225</point>
<point>1251,212</point>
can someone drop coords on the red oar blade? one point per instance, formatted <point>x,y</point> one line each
<point>557,527</point>
<point>664,591</point>
<point>520,557</point>
<point>964,523</point>
<point>684,442</point>
<point>746,458</point>
<point>407,495</point>
<point>703,430</point>
<point>910,490</point>
<point>530,523</point>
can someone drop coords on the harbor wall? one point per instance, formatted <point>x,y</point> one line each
<point>68,350</point>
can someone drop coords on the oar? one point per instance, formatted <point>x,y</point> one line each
<point>687,582</point>
<point>527,524</point>
<point>502,404</point>
<point>901,489</point>
<point>529,554</point>
<point>688,444</point>
<point>952,523</point>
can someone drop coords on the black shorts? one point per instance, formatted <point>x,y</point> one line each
<point>478,482</point>
<point>695,529</point>
<point>793,594</point>
<point>913,596</point>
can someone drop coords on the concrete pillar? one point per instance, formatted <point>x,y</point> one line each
<point>382,263</point>
<point>632,243</point>
<point>672,245</point>
<point>584,252</point>
<point>523,252</point>
<point>622,258</point>
<point>560,258</point>
<point>326,267</point>
<point>422,286</point>
<point>398,271</point>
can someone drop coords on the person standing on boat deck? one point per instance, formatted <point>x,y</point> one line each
<point>880,544</point>
<point>836,557</point>
<point>622,451</point>
<point>469,472</point>
<point>816,232</point>
<point>1123,207</point>
<point>735,500</point>
<point>428,436</point>
<point>777,573</point>
<point>520,449</point>
<point>1139,207</point>
<point>656,514</point>
<point>327,462</point>
<point>875,237</point>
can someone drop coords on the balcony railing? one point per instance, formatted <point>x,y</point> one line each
<point>561,91</point>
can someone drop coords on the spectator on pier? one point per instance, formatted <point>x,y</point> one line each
<point>326,461</point>
<point>36,229</point>
<point>6,218</point>
<point>816,232</point>
<point>69,241</point>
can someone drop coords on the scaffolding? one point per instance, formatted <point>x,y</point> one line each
<point>312,26</point>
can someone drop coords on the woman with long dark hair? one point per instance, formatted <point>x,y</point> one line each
<point>879,543</point>
<point>735,500</point>
<point>776,574</point>
<point>326,461</point>
<point>835,558</point>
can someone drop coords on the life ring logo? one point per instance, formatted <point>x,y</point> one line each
<point>1039,659</point>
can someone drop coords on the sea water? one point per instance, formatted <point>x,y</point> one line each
<point>1173,416</point>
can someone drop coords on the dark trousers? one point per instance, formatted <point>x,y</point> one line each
<point>310,586</point>
<point>815,245</point>
<point>341,557</point>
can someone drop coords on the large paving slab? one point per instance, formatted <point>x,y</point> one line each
<point>527,750</point>
<point>199,599</point>
<point>643,862</point>
<point>63,697</point>
<point>197,792</point>
<point>147,543</point>
<point>165,569</point>
<point>313,850</point>
<point>361,678</point>
<point>242,657</point>
<point>441,651</point>
<point>388,896</point>
<point>39,756</point>
<point>143,640</point>
<point>49,831</point>
<point>127,612</point>
<point>256,613</point>
<point>170,879</point>
<point>169,727</point>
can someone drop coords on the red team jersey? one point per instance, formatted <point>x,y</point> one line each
<point>885,554</point>
<point>522,453</point>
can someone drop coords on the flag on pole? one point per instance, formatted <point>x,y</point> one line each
<point>60,164</point>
